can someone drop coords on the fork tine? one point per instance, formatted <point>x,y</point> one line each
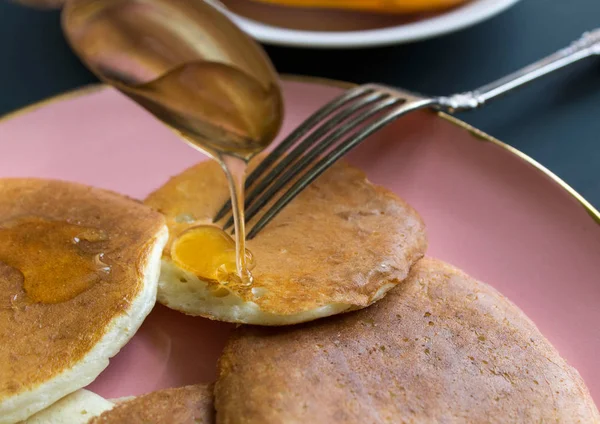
<point>306,126</point>
<point>304,146</point>
<point>309,123</point>
<point>321,147</point>
<point>333,157</point>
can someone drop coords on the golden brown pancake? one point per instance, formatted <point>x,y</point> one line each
<point>78,273</point>
<point>439,348</point>
<point>340,245</point>
<point>183,405</point>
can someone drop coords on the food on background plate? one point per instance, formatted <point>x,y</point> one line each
<point>183,405</point>
<point>78,273</point>
<point>340,245</point>
<point>77,408</point>
<point>380,6</point>
<point>440,347</point>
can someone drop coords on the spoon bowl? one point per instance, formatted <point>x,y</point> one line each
<point>185,62</point>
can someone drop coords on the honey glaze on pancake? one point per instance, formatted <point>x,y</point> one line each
<point>75,266</point>
<point>339,242</point>
<point>210,253</point>
<point>44,328</point>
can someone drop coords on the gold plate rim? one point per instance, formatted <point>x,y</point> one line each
<point>590,209</point>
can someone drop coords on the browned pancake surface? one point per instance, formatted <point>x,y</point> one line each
<point>184,405</point>
<point>40,340</point>
<point>339,241</point>
<point>440,347</point>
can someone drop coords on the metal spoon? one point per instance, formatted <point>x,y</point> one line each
<point>186,63</point>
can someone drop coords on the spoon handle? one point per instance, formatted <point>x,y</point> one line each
<point>586,46</point>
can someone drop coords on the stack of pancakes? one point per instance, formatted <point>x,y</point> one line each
<point>78,274</point>
<point>413,339</point>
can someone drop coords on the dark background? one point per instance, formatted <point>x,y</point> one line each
<point>556,120</point>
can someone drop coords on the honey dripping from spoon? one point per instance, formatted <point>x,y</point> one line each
<point>191,67</point>
<point>224,112</point>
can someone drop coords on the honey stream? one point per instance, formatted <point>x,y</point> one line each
<point>195,70</point>
<point>229,115</point>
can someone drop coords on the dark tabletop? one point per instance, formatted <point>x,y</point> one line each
<point>556,120</point>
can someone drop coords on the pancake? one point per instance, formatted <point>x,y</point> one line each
<point>340,245</point>
<point>77,408</point>
<point>78,274</point>
<point>183,405</point>
<point>439,348</point>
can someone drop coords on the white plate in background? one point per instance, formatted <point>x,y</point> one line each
<point>289,26</point>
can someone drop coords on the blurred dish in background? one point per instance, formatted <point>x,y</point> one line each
<point>281,24</point>
<point>359,23</point>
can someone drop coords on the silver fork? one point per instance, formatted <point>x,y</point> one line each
<point>345,122</point>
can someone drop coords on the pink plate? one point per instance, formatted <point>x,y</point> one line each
<point>489,210</point>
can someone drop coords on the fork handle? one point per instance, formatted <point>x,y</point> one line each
<point>586,46</point>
